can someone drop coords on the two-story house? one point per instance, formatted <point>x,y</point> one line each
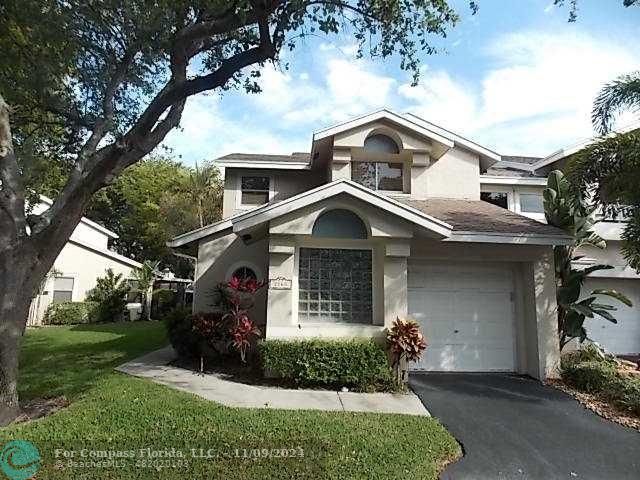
<point>83,259</point>
<point>385,219</point>
<point>517,183</point>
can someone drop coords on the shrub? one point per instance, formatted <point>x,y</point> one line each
<point>628,394</point>
<point>212,332</point>
<point>405,340</point>
<point>591,376</point>
<point>184,340</point>
<point>110,294</point>
<point>359,364</point>
<point>70,313</point>
<point>601,377</point>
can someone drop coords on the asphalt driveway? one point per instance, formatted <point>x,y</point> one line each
<point>513,427</point>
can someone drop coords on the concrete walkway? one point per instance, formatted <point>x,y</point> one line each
<point>155,366</point>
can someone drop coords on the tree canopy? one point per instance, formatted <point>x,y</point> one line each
<point>96,85</point>
<point>152,202</point>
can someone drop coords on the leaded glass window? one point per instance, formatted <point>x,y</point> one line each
<point>335,285</point>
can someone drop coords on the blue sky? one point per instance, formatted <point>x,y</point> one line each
<point>516,77</point>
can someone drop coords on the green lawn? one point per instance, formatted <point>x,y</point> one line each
<point>116,414</point>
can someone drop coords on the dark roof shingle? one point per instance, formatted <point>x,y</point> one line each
<point>294,157</point>
<point>479,216</point>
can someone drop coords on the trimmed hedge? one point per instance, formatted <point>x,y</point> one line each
<point>601,377</point>
<point>357,364</point>
<point>71,313</point>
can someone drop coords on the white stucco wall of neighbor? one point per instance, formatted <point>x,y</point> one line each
<point>84,265</point>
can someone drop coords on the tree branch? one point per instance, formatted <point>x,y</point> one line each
<point>12,195</point>
<point>102,124</point>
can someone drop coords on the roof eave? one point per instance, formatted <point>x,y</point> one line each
<point>259,216</point>
<point>509,238</point>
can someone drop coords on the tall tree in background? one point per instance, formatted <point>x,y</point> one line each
<point>138,207</point>
<point>112,79</point>
<point>609,170</point>
<point>200,187</point>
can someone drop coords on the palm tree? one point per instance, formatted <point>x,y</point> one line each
<point>201,187</point>
<point>145,276</point>
<point>607,170</point>
<point>621,94</point>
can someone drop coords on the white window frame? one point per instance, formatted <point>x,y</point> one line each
<point>244,206</point>
<point>518,206</point>
<point>74,289</point>
<point>386,192</point>
<point>511,204</point>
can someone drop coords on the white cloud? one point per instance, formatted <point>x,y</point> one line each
<point>540,88</point>
<point>532,95</point>
<point>207,133</point>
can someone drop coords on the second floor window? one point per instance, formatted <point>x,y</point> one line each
<point>62,289</point>
<point>378,175</point>
<point>531,203</point>
<point>254,190</point>
<point>501,199</point>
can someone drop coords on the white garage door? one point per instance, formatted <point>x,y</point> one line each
<point>466,313</point>
<point>623,337</point>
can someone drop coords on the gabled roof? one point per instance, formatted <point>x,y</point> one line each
<point>96,226</point>
<point>406,212</point>
<point>576,147</point>
<point>453,220</point>
<point>458,140</point>
<point>247,220</point>
<point>388,116</point>
<point>476,218</point>
<point>295,161</point>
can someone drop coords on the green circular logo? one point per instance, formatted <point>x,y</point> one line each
<point>19,460</point>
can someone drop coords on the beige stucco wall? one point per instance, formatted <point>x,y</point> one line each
<point>389,242</point>
<point>85,266</point>
<point>456,174</point>
<point>217,260</point>
<point>284,184</point>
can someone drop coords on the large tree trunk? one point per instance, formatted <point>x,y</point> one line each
<point>18,285</point>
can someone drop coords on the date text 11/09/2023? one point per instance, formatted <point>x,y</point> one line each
<point>165,453</point>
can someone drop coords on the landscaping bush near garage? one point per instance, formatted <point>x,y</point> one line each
<point>71,313</point>
<point>357,364</point>
<point>601,376</point>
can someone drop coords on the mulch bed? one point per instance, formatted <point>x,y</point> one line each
<point>233,371</point>
<point>602,407</point>
<point>40,407</point>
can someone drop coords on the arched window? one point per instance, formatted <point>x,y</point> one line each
<point>244,273</point>
<point>379,143</point>
<point>339,224</point>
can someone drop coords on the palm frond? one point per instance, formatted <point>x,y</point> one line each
<point>623,93</point>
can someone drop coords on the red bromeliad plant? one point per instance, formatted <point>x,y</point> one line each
<point>405,341</point>
<point>239,295</point>
<point>242,334</point>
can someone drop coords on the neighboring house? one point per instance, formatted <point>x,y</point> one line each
<point>517,183</point>
<point>384,219</point>
<point>83,259</point>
